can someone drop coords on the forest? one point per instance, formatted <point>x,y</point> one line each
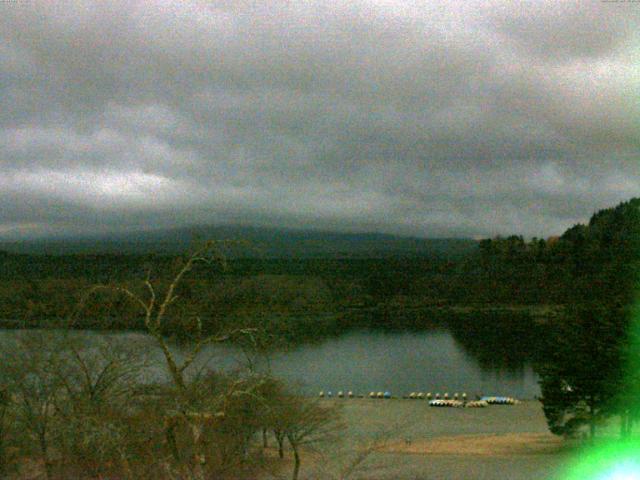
<point>82,411</point>
<point>592,262</point>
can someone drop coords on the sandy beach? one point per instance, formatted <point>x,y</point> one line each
<point>407,439</point>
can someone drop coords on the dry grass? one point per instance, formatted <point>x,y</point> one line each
<point>508,444</point>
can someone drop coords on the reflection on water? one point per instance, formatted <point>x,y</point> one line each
<point>451,360</point>
<point>428,361</point>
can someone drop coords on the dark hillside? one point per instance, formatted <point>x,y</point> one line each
<point>597,261</point>
<point>261,242</point>
<point>313,273</point>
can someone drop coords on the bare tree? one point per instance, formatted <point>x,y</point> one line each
<point>29,374</point>
<point>5,400</point>
<point>304,423</point>
<point>69,395</point>
<point>155,305</point>
<point>190,408</point>
<point>99,371</point>
<point>99,377</point>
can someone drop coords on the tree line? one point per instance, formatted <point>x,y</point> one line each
<point>589,371</point>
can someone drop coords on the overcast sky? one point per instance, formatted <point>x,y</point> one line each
<point>430,118</point>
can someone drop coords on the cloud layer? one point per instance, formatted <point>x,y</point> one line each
<point>425,118</point>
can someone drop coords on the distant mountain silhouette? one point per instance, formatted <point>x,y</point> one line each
<point>261,242</point>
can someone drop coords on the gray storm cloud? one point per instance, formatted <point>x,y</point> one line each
<point>423,118</point>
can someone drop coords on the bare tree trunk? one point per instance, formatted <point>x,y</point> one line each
<point>44,452</point>
<point>265,442</point>
<point>628,427</point>
<point>126,466</point>
<point>280,439</point>
<point>3,428</point>
<point>154,321</point>
<point>296,459</point>
<point>170,436</point>
<point>592,422</point>
<point>624,424</point>
<point>199,458</point>
<point>246,444</point>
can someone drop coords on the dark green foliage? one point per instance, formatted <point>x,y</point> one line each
<point>589,371</point>
<point>598,260</point>
<point>582,369</point>
<point>500,340</point>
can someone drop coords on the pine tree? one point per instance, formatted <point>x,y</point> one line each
<point>582,371</point>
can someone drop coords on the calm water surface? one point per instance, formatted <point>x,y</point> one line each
<point>361,361</point>
<point>401,362</point>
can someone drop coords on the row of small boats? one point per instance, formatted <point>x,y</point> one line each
<point>483,402</point>
<point>434,400</point>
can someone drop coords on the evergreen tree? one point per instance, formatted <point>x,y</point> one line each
<point>582,373</point>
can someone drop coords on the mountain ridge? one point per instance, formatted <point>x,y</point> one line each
<point>260,241</point>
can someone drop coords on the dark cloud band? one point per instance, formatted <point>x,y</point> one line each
<point>434,119</point>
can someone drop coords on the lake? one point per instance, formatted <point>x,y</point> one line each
<point>400,362</point>
<point>434,360</point>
